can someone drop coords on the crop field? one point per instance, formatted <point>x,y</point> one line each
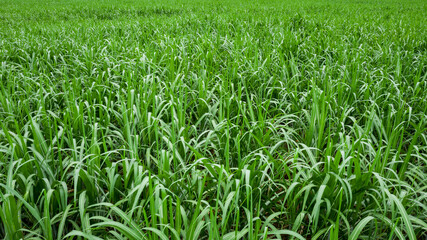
<point>225,119</point>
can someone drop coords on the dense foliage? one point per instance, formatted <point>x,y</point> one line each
<point>213,119</point>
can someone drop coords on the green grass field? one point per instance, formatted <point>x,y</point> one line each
<point>226,119</point>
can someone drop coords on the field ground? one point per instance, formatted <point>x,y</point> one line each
<point>213,119</point>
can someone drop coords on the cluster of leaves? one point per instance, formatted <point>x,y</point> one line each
<point>213,120</point>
